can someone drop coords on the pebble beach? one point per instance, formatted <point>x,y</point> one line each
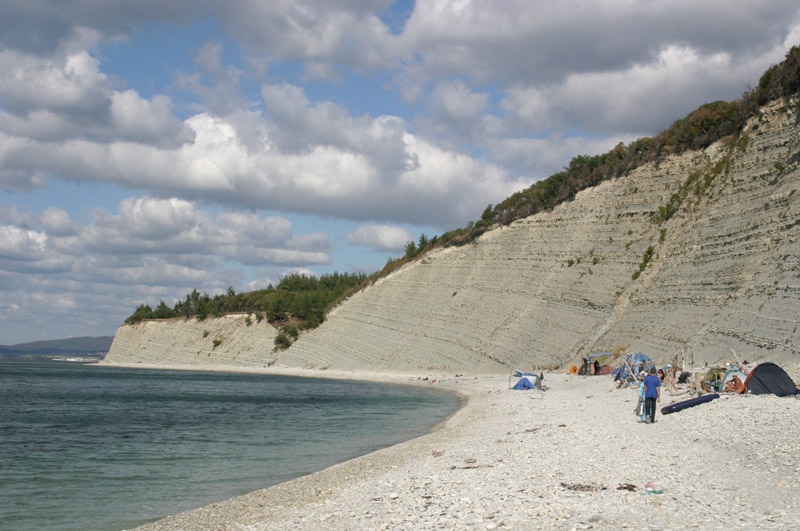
<point>572,457</point>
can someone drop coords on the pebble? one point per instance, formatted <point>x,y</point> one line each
<point>543,476</point>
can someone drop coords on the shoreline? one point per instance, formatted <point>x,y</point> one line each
<point>317,486</point>
<point>574,456</point>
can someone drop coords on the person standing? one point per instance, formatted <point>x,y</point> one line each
<point>640,410</point>
<point>652,394</point>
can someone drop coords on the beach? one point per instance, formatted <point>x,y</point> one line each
<point>572,457</point>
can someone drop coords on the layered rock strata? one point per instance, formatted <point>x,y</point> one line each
<point>603,272</point>
<point>235,340</point>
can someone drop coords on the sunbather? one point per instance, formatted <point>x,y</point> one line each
<point>734,385</point>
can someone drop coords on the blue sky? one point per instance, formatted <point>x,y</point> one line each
<point>151,148</point>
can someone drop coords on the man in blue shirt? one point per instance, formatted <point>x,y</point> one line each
<point>652,393</point>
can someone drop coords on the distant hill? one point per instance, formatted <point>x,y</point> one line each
<point>74,346</point>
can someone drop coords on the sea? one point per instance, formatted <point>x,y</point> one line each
<point>88,447</point>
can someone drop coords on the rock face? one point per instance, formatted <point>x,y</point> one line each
<point>226,341</point>
<point>722,272</point>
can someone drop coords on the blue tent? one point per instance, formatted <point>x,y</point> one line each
<point>524,384</point>
<point>636,362</point>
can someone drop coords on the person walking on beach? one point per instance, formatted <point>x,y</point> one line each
<point>652,393</point>
<point>640,410</point>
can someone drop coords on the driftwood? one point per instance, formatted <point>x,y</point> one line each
<point>581,487</point>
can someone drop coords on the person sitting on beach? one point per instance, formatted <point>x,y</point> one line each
<point>734,385</point>
<point>652,393</point>
<point>661,374</point>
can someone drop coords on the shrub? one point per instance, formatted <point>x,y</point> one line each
<point>648,255</point>
<point>143,312</point>
<point>282,341</point>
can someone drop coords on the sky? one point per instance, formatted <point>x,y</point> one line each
<point>149,148</point>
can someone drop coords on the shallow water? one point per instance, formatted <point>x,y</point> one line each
<point>87,447</point>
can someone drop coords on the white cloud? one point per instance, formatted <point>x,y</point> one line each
<point>346,167</point>
<point>514,42</point>
<point>299,271</point>
<point>175,226</point>
<point>152,218</point>
<point>382,237</point>
<point>319,32</point>
<point>171,232</point>
<point>69,81</point>
<point>607,102</point>
<point>66,96</point>
<point>454,102</point>
<point>136,119</point>
<point>145,271</point>
<point>26,252</point>
<point>20,244</point>
<point>149,249</point>
<point>260,283</point>
<point>57,222</point>
<point>317,157</point>
<point>299,127</point>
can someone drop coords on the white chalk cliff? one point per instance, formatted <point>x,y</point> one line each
<point>229,341</point>
<point>725,273</point>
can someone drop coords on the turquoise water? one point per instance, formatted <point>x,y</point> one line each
<point>91,448</point>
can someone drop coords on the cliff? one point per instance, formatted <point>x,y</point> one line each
<point>213,342</point>
<point>721,272</point>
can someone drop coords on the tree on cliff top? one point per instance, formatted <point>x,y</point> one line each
<point>302,297</point>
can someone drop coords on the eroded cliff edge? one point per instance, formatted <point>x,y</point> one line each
<point>722,273</point>
<point>229,341</point>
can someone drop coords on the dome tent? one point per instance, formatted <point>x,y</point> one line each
<point>769,379</point>
<point>523,385</point>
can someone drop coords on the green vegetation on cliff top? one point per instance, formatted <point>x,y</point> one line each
<point>300,298</point>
